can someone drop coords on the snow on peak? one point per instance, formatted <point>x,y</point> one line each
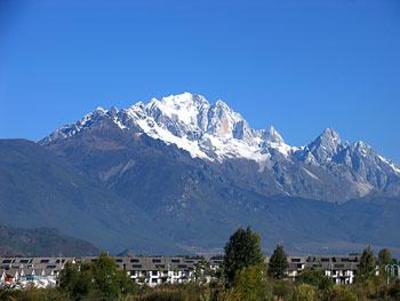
<point>362,148</point>
<point>184,109</point>
<point>273,136</point>
<point>274,140</point>
<point>329,135</point>
<point>326,145</point>
<point>212,131</point>
<point>100,110</point>
<point>209,131</point>
<point>225,123</point>
<point>393,166</point>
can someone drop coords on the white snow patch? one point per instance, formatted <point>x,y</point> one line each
<point>119,123</point>
<point>390,163</point>
<point>312,175</point>
<point>283,148</point>
<point>153,130</point>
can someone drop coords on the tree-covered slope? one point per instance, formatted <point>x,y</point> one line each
<point>42,242</point>
<point>38,189</point>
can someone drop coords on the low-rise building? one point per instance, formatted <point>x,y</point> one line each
<point>19,272</point>
<point>342,269</point>
<point>296,264</point>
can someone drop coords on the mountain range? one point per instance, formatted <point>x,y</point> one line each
<point>179,174</point>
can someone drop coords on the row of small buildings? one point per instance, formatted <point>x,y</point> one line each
<point>22,272</point>
<point>342,269</point>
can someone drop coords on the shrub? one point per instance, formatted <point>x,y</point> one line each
<point>341,293</point>
<point>304,292</point>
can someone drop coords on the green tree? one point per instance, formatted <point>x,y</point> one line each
<point>76,280</point>
<point>367,266</point>
<point>315,278</point>
<point>107,278</point>
<point>278,263</point>
<point>282,289</point>
<point>384,257</point>
<point>304,292</point>
<point>99,280</point>
<point>250,285</point>
<point>341,293</point>
<point>242,250</point>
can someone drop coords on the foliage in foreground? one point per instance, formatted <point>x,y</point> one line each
<point>244,277</point>
<point>99,280</point>
<point>246,289</point>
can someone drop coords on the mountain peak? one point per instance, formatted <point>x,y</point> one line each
<point>113,111</point>
<point>100,109</point>
<point>328,138</point>
<point>273,136</point>
<point>184,99</point>
<point>362,148</point>
<point>326,145</point>
<point>222,104</point>
<point>330,134</point>
<point>274,140</point>
<point>222,109</point>
<point>208,131</point>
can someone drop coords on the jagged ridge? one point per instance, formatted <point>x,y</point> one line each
<point>215,132</point>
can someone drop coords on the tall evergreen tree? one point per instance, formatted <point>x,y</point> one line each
<point>278,263</point>
<point>384,257</point>
<point>367,266</point>
<point>242,250</point>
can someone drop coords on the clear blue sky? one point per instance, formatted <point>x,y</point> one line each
<point>299,65</point>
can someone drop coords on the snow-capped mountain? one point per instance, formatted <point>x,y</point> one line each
<point>194,170</point>
<point>208,131</point>
<point>327,168</point>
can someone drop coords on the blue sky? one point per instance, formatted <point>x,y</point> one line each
<point>298,65</point>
